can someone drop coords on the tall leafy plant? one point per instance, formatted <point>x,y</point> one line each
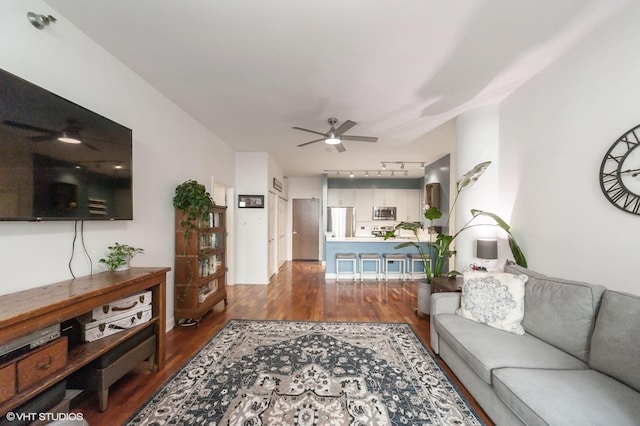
<point>442,247</point>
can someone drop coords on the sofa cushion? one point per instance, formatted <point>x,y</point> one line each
<point>615,345</point>
<point>560,312</point>
<point>566,397</point>
<point>494,299</point>
<point>485,348</point>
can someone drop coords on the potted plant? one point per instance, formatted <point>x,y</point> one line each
<point>119,255</point>
<point>192,199</point>
<point>442,249</point>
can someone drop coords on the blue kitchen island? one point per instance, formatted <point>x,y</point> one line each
<point>359,245</point>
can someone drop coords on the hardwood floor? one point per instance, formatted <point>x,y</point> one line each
<point>298,291</point>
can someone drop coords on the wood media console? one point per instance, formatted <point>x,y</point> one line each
<point>31,310</point>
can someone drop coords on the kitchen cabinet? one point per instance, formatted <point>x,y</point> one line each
<point>340,197</point>
<point>408,205</point>
<point>364,204</point>
<point>384,197</point>
<point>414,210</point>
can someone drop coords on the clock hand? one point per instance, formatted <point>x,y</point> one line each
<point>634,172</point>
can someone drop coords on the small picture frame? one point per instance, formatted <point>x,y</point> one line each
<point>251,201</point>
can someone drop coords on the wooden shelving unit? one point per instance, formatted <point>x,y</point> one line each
<point>200,266</point>
<point>26,311</point>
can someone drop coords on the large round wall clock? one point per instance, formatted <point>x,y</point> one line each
<point>620,172</point>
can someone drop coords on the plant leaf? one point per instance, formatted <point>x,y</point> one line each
<point>472,176</point>
<point>499,221</point>
<point>432,213</point>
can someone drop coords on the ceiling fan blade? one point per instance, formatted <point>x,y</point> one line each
<point>89,145</point>
<point>43,138</point>
<point>310,142</point>
<point>340,148</point>
<point>344,127</point>
<point>310,131</point>
<point>359,138</point>
<point>27,127</point>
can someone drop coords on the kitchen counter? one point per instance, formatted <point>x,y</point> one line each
<point>370,244</point>
<point>370,239</point>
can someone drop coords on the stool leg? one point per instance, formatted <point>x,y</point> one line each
<point>354,270</point>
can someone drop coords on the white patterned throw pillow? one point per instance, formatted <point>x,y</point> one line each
<point>495,299</point>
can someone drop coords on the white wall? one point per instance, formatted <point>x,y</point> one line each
<point>478,141</point>
<point>169,147</point>
<point>554,133</point>
<point>252,169</point>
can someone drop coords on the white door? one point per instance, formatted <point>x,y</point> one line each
<point>272,230</point>
<point>283,207</point>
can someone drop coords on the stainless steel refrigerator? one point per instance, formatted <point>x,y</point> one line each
<point>341,221</point>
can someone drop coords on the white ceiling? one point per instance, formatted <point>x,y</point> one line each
<point>250,70</point>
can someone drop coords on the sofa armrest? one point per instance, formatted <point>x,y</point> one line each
<point>441,303</point>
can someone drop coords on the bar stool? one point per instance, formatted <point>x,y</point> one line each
<point>413,259</point>
<point>349,258</point>
<point>370,257</point>
<point>394,257</point>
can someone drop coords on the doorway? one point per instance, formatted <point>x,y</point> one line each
<point>306,229</point>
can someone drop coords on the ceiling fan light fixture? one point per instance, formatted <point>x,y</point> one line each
<point>332,139</point>
<point>67,138</point>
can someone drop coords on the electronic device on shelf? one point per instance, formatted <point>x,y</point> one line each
<point>22,344</point>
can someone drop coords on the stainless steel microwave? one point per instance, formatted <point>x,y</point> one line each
<point>384,213</point>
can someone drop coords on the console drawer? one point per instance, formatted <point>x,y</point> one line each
<point>41,363</point>
<point>7,381</point>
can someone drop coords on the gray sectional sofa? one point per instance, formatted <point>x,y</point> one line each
<point>577,364</point>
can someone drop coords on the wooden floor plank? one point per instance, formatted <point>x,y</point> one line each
<point>298,291</point>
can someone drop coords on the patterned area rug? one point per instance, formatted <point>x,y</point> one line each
<point>309,373</point>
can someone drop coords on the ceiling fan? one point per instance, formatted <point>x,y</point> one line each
<point>336,136</point>
<point>69,134</point>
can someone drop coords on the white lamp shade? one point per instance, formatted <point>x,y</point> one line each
<point>487,249</point>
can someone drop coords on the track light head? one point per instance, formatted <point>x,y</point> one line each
<point>40,21</point>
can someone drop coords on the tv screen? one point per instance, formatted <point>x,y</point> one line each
<point>58,160</point>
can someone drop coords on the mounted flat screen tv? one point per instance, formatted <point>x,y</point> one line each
<point>58,160</point>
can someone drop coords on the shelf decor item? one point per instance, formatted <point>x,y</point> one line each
<point>442,248</point>
<point>119,256</point>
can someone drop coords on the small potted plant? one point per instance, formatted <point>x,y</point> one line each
<point>119,256</point>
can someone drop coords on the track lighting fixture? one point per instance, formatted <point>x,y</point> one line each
<point>367,173</point>
<point>402,164</point>
<point>40,21</point>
